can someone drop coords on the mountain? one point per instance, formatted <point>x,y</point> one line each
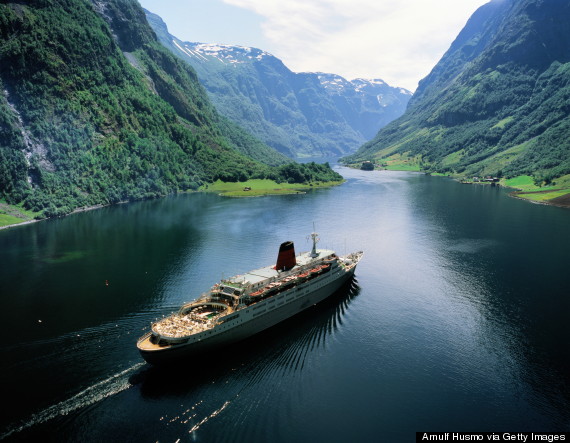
<point>498,102</point>
<point>299,114</point>
<point>94,110</point>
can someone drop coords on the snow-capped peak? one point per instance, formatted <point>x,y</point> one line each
<point>333,82</point>
<point>232,54</point>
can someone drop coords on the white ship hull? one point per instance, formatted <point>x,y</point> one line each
<point>247,304</point>
<point>253,319</point>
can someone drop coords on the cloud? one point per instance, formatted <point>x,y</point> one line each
<point>396,40</point>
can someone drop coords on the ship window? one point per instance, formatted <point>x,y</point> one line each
<point>232,317</point>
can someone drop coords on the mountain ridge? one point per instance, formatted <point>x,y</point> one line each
<point>299,114</point>
<point>497,101</point>
<point>94,110</point>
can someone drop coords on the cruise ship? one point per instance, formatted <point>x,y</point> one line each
<point>243,305</point>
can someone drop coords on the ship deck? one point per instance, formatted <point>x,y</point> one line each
<point>145,344</point>
<point>268,272</point>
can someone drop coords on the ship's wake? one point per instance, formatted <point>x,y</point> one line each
<point>287,359</point>
<point>91,395</point>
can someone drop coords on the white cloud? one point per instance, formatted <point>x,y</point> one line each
<point>397,40</point>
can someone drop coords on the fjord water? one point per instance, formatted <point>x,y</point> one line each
<point>456,320</point>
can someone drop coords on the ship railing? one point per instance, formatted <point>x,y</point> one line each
<point>352,259</point>
<point>286,283</point>
<point>144,337</point>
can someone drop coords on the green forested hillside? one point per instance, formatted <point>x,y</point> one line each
<point>497,103</point>
<point>94,110</point>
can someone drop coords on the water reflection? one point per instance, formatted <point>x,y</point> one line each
<point>491,267</point>
<point>89,267</point>
<point>460,318</point>
<point>76,292</point>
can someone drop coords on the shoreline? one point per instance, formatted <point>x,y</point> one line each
<point>302,189</point>
<point>75,211</point>
<point>263,187</point>
<point>563,201</point>
<point>23,222</point>
<point>516,191</point>
<point>559,202</point>
<point>515,194</point>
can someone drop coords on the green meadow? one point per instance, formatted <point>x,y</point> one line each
<point>259,187</point>
<point>531,191</point>
<point>11,214</point>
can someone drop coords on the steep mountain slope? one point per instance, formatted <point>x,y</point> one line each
<point>93,109</point>
<point>299,114</point>
<point>498,102</point>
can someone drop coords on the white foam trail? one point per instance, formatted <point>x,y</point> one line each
<point>208,417</point>
<point>93,394</point>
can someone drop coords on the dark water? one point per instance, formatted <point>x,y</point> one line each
<point>457,319</point>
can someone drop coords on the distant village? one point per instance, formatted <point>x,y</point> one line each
<point>487,179</point>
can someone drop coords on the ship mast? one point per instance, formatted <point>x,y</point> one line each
<point>315,238</point>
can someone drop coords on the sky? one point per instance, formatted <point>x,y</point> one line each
<point>399,41</point>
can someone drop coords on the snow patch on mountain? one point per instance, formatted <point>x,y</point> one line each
<point>337,84</point>
<point>333,82</point>
<point>227,54</point>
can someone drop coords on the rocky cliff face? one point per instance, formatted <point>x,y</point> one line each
<point>299,114</point>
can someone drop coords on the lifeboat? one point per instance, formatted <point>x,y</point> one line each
<point>273,287</point>
<point>289,281</point>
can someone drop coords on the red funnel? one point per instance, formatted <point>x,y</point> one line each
<point>286,258</point>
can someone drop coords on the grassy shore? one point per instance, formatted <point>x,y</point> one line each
<point>557,193</point>
<point>256,188</point>
<point>12,215</point>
